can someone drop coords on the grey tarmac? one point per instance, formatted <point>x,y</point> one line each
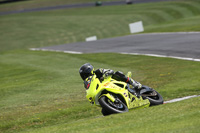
<point>180,44</point>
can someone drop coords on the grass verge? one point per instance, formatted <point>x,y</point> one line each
<point>176,117</point>
<point>42,89</point>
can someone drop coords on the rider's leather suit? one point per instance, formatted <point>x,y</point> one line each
<point>102,73</point>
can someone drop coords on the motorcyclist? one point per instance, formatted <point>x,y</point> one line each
<point>87,70</point>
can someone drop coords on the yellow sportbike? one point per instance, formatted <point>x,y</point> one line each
<point>118,97</point>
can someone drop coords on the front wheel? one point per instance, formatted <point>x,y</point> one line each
<point>112,107</point>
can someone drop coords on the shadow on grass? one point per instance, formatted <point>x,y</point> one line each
<point>10,1</point>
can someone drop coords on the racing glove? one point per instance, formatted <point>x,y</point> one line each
<point>107,72</point>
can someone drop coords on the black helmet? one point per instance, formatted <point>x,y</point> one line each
<point>86,70</point>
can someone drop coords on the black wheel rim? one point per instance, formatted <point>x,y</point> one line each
<point>117,105</point>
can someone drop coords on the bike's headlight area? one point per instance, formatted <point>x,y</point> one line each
<point>90,99</point>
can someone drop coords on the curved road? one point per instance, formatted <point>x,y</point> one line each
<point>81,5</point>
<point>181,44</point>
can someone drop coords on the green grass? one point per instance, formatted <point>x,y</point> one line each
<point>182,117</point>
<point>39,29</point>
<point>43,90</point>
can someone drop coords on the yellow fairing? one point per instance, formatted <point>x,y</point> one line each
<point>110,86</point>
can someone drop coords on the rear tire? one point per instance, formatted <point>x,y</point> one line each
<point>154,100</point>
<point>110,107</point>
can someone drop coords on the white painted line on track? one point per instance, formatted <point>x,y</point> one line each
<point>155,55</point>
<point>180,99</point>
<point>70,52</point>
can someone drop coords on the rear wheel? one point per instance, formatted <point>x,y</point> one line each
<point>154,98</point>
<point>109,107</point>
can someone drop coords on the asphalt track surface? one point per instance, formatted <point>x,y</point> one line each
<point>81,5</point>
<point>181,44</point>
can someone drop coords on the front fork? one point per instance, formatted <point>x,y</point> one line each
<point>109,97</point>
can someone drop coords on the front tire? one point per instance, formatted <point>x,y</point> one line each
<point>104,112</point>
<point>112,107</point>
